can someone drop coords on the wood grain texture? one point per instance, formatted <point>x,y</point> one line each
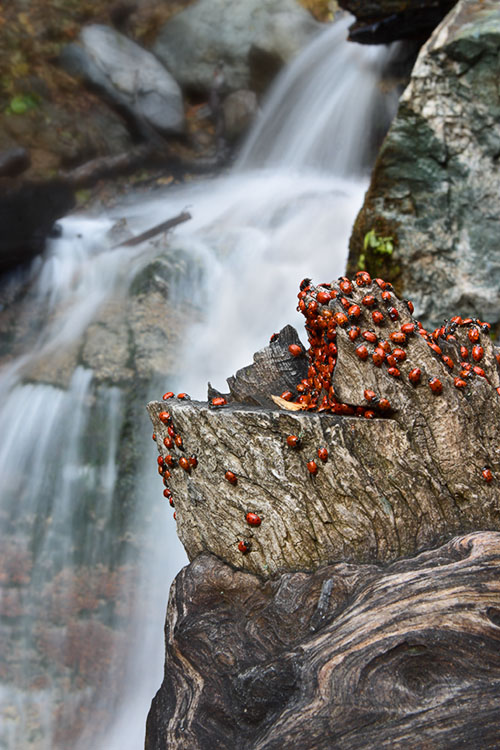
<point>352,657</point>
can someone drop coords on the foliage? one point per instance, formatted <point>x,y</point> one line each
<point>381,246</point>
<point>22,103</point>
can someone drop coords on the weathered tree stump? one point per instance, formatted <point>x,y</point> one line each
<point>354,657</point>
<point>424,467</point>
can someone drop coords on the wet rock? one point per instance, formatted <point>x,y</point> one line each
<point>129,75</point>
<point>384,21</point>
<point>354,657</point>
<point>14,161</point>
<point>210,33</point>
<point>240,109</point>
<point>436,183</point>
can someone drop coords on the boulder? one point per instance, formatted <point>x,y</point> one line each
<point>236,34</point>
<point>384,21</point>
<point>239,109</point>
<point>130,76</point>
<point>435,185</point>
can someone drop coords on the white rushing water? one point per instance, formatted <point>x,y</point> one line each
<point>284,212</point>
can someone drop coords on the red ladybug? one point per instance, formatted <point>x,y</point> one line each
<point>167,395</point>
<point>184,463</point>
<point>459,383</point>
<point>171,431</point>
<point>345,286</point>
<point>378,356</point>
<point>384,404</point>
<point>168,442</point>
<point>369,395</point>
<point>193,461</point>
<point>479,371</point>
<point>167,493</point>
<point>219,401</point>
<point>231,477</point>
<point>253,519</point>
<point>399,355</point>
<point>160,460</point>
<point>295,350</point>
<point>362,352</point>
<point>183,396</point>
<point>487,475</point>
<point>293,441</point>
<point>415,375</point>
<point>353,333</point>
<point>322,454</point>
<point>394,372</point>
<point>178,441</point>
<point>409,305</point>
<point>448,361</point>
<point>473,335</point>
<point>171,502</point>
<point>408,327</point>
<point>393,313</point>
<point>312,467</point>
<point>244,547</point>
<point>377,317</point>
<point>164,417</point>
<point>386,296</point>
<point>323,297</point>
<point>464,352</point>
<point>354,311</point>
<point>154,435</point>
<point>477,353</point>
<point>169,460</point>
<point>370,336</point>
<point>340,318</point>
<point>287,395</point>
<point>369,414</point>
<point>368,300</point>
<point>435,385</point>
<point>398,337</point>
<point>380,283</point>
<point>274,337</point>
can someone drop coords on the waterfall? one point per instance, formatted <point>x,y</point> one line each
<point>88,543</point>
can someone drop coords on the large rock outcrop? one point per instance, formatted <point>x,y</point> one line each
<point>436,182</point>
<point>248,39</point>
<point>384,21</point>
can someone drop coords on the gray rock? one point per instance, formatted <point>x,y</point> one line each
<point>436,183</point>
<point>130,75</point>
<point>240,108</point>
<point>234,32</point>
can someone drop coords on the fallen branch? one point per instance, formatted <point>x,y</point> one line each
<point>164,227</point>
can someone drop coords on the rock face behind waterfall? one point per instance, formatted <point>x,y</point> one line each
<point>436,182</point>
<point>285,630</point>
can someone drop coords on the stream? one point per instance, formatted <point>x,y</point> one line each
<point>89,547</point>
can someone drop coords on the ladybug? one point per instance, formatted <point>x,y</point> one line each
<point>218,401</point>
<point>354,311</point>
<point>160,460</point>
<point>377,317</point>
<point>193,461</point>
<point>184,463</point>
<point>399,355</point>
<point>415,375</point>
<point>369,395</point>
<point>391,361</point>
<point>479,371</point>
<point>231,477</point>
<point>380,283</point>
<point>340,318</point>
<point>322,454</point>
<point>168,442</point>
<point>464,352</point>
<point>408,327</point>
<point>293,441</point>
<point>164,417</point>
<point>369,414</point>
<point>169,460</point>
<point>166,476</point>
<point>153,436</point>
<point>167,395</point>
<point>178,441</point>
<point>393,313</point>
<point>378,356</point>
<point>394,372</point>
<point>362,352</point>
<point>287,395</point>
<point>312,467</point>
<point>448,361</point>
<point>274,337</point>
<point>487,475</point>
<point>295,350</point>
<point>323,297</point>
<point>435,385</point>
<point>353,333</point>
<point>473,335</point>
<point>171,502</point>
<point>345,286</point>
<point>244,547</point>
<point>345,303</point>
<point>386,296</point>
<point>183,397</point>
<point>368,300</point>
<point>398,337</point>
<point>304,283</point>
<point>167,493</point>
<point>384,404</point>
<point>477,353</point>
<point>370,336</point>
<point>253,519</point>
<point>312,308</point>
<point>175,516</point>
<point>459,383</point>
<point>409,305</point>
<point>171,431</point>
<point>363,278</point>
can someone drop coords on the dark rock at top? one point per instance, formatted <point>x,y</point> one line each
<point>388,20</point>
<point>14,161</point>
<point>27,215</point>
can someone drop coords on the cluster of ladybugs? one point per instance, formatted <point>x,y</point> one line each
<point>328,307</point>
<point>167,463</point>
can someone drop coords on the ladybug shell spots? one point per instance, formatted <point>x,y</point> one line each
<point>312,467</point>
<point>231,477</point>
<point>253,519</point>
<point>473,335</point>
<point>377,317</point>
<point>340,318</point>
<point>293,441</point>
<point>362,352</point>
<point>448,361</point>
<point>345,286</point>
<point>378,356</point>
<point>399,355</point>
<point>487,475</point>
<point>244,547</point>
<point>479,371</point>
<point>323,297</point>
<point>477,353</point>
<point>394,372</point>
<point>354,311</point>
<point>464,352</point>
<point>398,337</point>
<point>295,350</point>
<point>393,313</point>
<point>167,395</point>
<point>415,375</point>
<point>370,336</point>
<point>459,383</point>
<point>160,460</point>
<point>408,327</point>
<point>353,333</point>
<point>322,454</point>
<point>435,385</point>
<point>368,300</point>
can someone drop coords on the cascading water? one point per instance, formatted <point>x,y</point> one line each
<point>88,551</point>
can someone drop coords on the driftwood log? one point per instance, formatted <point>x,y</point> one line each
<point>354,657</point>
<point>287,630</point>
